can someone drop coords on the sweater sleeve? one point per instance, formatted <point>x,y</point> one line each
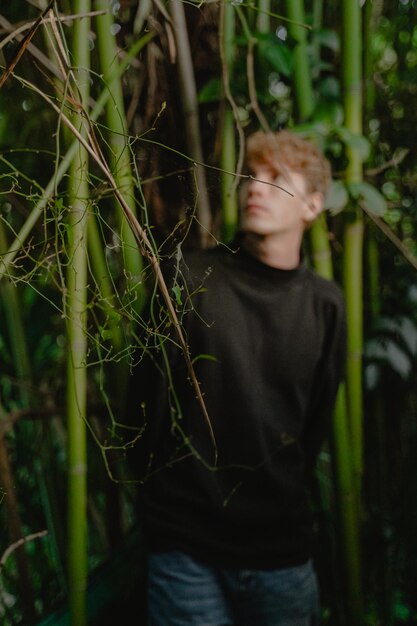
<point>329,374</point>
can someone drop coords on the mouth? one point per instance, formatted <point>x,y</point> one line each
<point>254,209</point>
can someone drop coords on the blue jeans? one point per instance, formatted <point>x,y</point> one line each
<point>182,591</point>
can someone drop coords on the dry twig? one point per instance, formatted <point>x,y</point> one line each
<point>18,543</point>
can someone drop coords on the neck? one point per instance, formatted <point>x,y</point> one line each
<point>273,251</point>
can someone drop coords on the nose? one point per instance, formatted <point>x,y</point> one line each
<point>257,186</point>
<point>257,182</point>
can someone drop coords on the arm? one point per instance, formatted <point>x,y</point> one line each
<point>329,374</point>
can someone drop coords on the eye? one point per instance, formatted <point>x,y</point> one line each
<point>247,172</point>
<point>243,179</point>
<point>280,180</point>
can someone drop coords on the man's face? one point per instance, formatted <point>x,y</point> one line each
<point>267,208</point>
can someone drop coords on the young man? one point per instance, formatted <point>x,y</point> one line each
<point>227,521</point>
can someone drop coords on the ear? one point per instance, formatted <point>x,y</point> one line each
<point>313,206</point>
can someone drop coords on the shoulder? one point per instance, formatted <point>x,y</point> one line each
<point>201,258</point>
<point>330,312</point>
<point>325,290</point>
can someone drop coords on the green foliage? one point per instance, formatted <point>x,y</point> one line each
<point>327,38</point>
<point>355,142</point>
<point>368,197</point>
<point>337,198</point>
<point>211,92</point>
<point>273,51</point>
<point>394,345</point>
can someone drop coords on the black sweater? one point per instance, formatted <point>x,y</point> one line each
<point>269,351</point>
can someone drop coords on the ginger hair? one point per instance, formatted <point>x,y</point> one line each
<point>285,150</point>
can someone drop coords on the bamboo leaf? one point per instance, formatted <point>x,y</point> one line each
<point>355,142</point>
<point>369,196</point>
<point>330,87</point>
<point>189,102</point>
<point>177,293</point>
<point>372,375</point>
<point>331,113</point>
<point>328,38</point>
<point>276,53</point>
<point>401,327</point>
<point>337,197</point>
<point>391,353</point>
<point>211,91</point>
<point>206,357</point>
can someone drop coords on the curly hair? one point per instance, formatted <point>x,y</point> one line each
<point>285,150</point>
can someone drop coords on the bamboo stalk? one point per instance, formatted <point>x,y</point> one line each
<point>229,97</point>
<point>263,18</point>
<point>353,261</point>
<point>317,15</point>
<point>76,306</point>
<point>347,511</point>
<point>120,151</point>
<point>188,94</point>
<point>320,248</point>
<point>103,281</point>
<point>302,78</point>
<point>228,192</point>
<point>228,142</point>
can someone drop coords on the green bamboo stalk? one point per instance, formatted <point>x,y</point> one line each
<point>76,306</point>
<point>321,253</point>
<point>120,151</point>
<point>188,93</point>
<point>263,26</point>
<point>353,261</point>
<point>347,510</point>
<point>102,277</point>
<point>228,164</point>
<point>371,14</point>
<point>112,330</point>
<point>263,19</point>
<point>353,257</point>
<point>317,19</point>
<point>228,144</point>
<point>302,76</point>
